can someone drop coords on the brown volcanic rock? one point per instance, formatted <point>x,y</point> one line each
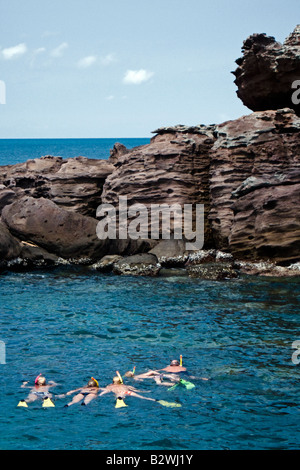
<point>266,225</point>
<point>64,233</point>
<point>267,70</point>
<point>254,186</point>
<point>172,169</point>
<point>74,184</point>
<point>142,264</point>
<point>10,247</point>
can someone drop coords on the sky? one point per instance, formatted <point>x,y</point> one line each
<point>106,69</point>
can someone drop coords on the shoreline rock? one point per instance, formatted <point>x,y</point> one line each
<point>266,71</point>
<point>143,264</point>
<point>246,173</point>
<point>212,271</point>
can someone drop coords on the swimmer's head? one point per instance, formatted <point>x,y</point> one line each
<point>174,362</point>
<point>116,380</point>
<point>129,373</point>
<point>40,380</point>
<point>93,383</point>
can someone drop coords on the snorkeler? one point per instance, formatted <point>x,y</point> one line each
<point>174,372</point>
<point>40,390</point>
<point>87,393</point>
<point>173,368</point>
<point>120,390</point>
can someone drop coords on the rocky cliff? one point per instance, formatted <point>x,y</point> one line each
<point>245,172</point>
<point>267,70</point>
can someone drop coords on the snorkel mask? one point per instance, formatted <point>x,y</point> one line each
<point>37,379</point>
<point>96,381</point>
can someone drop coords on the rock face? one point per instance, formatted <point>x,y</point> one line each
<point>254,186</point>
<point>245,172</point>
<point>267,70</point>
<point>64,233</point>
<point>172,169</point>
<point>138,265</point>
<point>10,247</point>
<point>74,184</point>
<point>212,272</point>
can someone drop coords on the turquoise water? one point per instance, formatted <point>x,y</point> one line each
<point>71,324</point>
<point>19,150</point>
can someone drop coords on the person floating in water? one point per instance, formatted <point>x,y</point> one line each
<point>87,393</point>
<point>40,390</point>
<point>174,372</point>
<point>120,390</point>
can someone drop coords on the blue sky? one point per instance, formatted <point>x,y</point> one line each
<point>93,68</point>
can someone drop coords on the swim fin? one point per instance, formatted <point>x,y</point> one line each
<point>48,403</point>
<point>173,387</point>
<point>22,403</point>
<point>185,383</point>
<point>188,385</point>
<point>120,403</point>
<point>169,404</point>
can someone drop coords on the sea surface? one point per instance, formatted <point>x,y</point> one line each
<point>74,323</point>
<point>19,150</point>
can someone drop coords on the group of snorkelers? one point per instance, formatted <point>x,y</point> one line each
<point>174,374</point>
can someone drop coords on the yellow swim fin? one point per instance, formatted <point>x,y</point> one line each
<point>120,403</point>
<point>47,403</point>
<point>23,404</point>
<point>169,404</point>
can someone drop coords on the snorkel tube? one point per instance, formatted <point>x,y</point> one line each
<point>119,375</point>
<point>37,379</point>
<point>96,381</point>
<point>180,360</point>
<point>133,371</point>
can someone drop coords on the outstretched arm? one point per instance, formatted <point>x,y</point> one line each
<point>73,391</point>
<point>104,392</point>
<point>133,389</point>
<point>52,384</point>
<point>134,394</point>
<point>24,385</point>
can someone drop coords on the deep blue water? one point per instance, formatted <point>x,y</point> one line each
<point>19,150</point>
<point>71,324</point>
<point>74,324</point>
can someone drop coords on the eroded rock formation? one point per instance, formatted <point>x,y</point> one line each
<point>246,172</point>
<point>74,184</point>
<point>254,186</point>
<point>267,70</point>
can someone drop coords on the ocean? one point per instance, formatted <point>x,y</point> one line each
<point>19,150</point>
<point>74,323</point>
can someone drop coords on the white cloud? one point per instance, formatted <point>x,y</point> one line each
<point>108,59</point>
<point>110,98</point>
<point>135,77</point>
<point>58,51</point>
<point>15,51</point>
<point>39,50</point>
<point>35,53</point>
<point>87,61</point>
